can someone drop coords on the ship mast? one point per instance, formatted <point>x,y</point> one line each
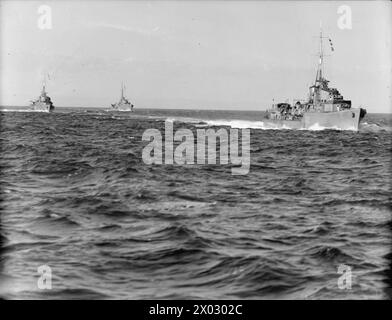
<point>319,83</point>
<point>43,92</point>
<point>321,57</point>
<point>122,90</point>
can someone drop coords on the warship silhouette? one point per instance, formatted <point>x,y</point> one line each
<point>324,108</point>
<point>123,104</point>
<point>43,103</point>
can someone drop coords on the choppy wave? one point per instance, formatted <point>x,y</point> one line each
<point>376,126</point>
<point>77,196</point>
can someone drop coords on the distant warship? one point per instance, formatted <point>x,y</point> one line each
<point>324,108</point>
<point>43,103</point>
<point>123,104</point>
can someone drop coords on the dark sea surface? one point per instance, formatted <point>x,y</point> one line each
<point>76,196</point>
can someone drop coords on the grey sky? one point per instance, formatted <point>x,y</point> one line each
<point>193,54</point>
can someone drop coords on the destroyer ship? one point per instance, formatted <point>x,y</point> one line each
<point>325,107</point>
<point>43,103</point>
<point>123,104</point>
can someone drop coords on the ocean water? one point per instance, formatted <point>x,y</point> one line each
<point>77,197</point>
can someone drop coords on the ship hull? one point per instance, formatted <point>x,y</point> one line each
<point>41,107</point>
<point>123,107</point>
<point>341,120</point>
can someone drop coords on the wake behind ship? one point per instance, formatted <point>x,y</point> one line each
<point>324,108</point>
<point>43,103</point>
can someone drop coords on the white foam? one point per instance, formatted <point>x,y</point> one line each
<point>247,124</point>
<point>14,110</point>
<point>184,119</point>
<point>21,110</point>
<point>237,124</point>
<point>374,127</point>
<point>317,127</point>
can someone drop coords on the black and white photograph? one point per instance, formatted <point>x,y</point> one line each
<point>195,150</point>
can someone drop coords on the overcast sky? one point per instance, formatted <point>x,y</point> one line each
<point>193,54</point>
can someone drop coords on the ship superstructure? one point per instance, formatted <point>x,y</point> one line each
<point>123,104</point>
<point>43,103</point>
